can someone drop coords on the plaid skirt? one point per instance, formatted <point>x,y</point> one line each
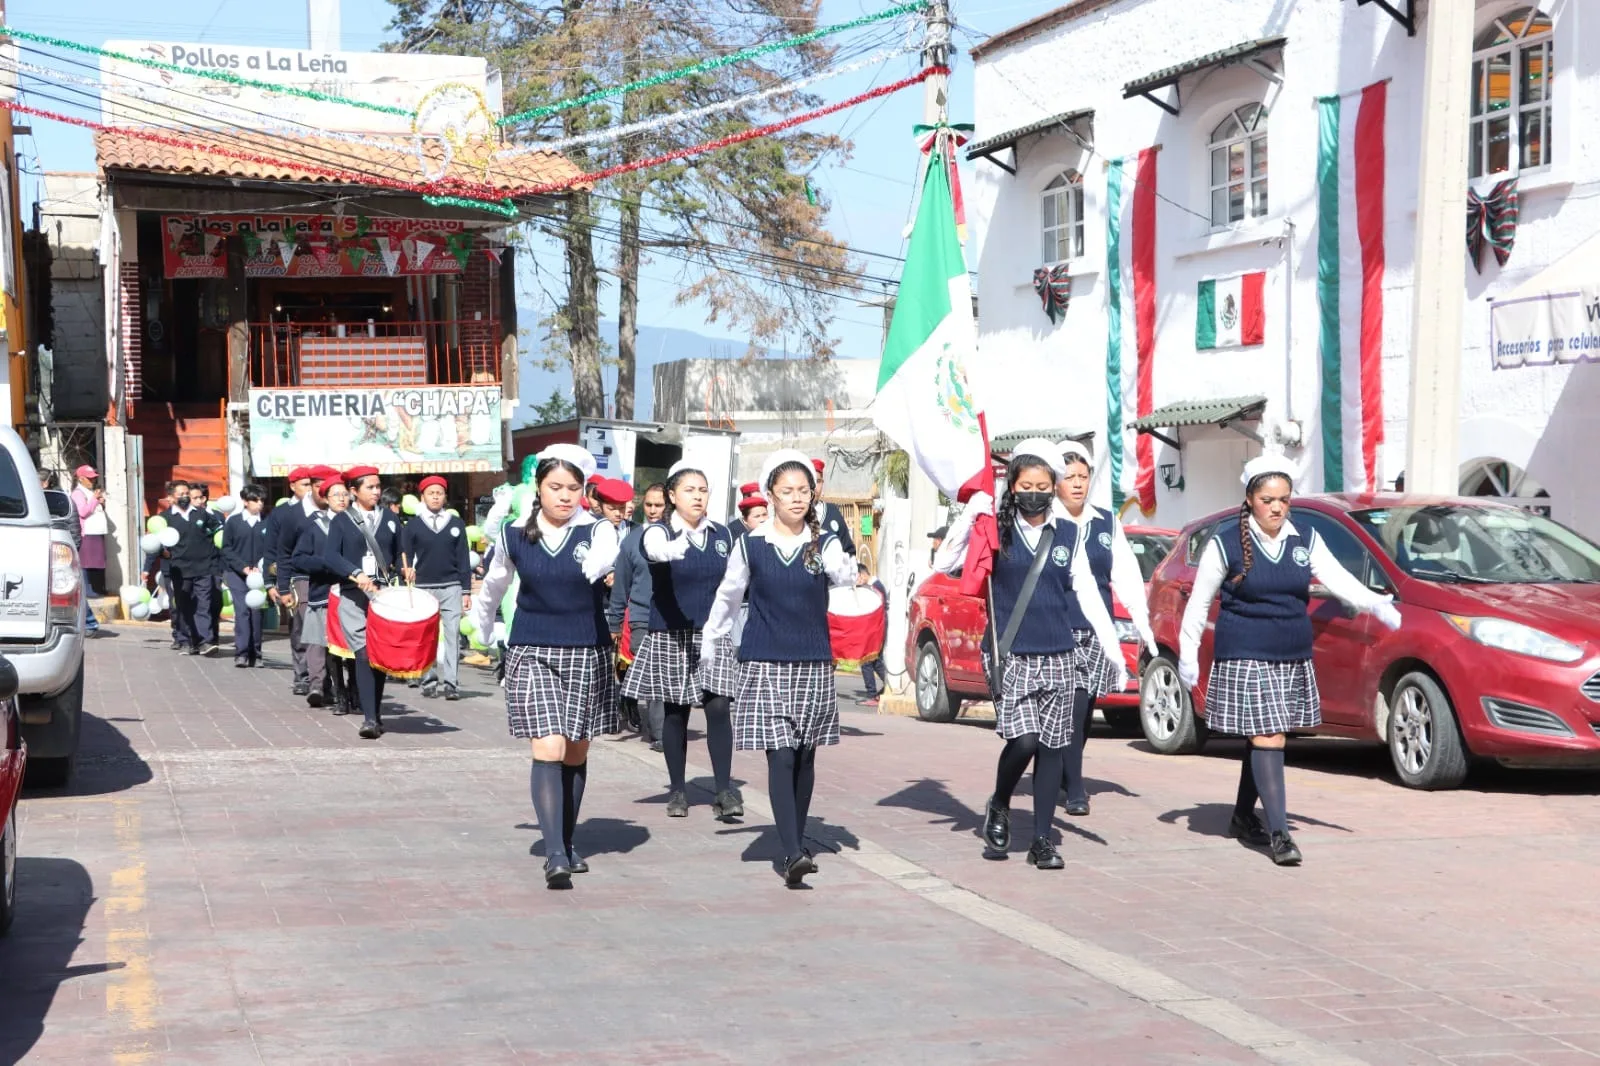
<point>570,692</point>
<point>1036,696</point>
<point>1097,666</point>
<point>785,705</point>
<point>1252,698</point>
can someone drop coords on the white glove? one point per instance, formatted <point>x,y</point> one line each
<point>1189,674</point>
<point>1122,677</point>
<point>497,635</point>
<point>1387,613</point>
<point>981,503</point>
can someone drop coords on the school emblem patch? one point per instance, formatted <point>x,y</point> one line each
<point>1105,540</point>
<point>580,553</point>
<point>1302,557</point>
<point>1060,556</point>
<point>455,531</point>
<point>722,548</point>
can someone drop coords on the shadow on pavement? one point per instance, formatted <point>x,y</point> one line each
<point>53,901</point>
<point>1211,819</point>
<point>766,847</point>
<point>934,797</point>
<point>400,718</point>
<point>106,760</point>
<point>598,836</point>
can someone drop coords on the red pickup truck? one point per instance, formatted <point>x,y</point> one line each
<point>945,638</point>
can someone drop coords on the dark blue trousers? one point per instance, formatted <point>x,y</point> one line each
<point>192,596</point>
<point>246,623</point>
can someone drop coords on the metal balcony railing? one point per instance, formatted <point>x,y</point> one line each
<point>374,354</point>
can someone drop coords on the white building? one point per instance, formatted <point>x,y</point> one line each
<point>1234,96</point>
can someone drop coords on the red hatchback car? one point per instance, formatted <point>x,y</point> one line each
<point>945,637</point>
<point>1498,657</point>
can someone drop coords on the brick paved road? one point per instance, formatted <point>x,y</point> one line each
<point>236,878</point>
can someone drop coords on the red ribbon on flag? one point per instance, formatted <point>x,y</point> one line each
<point>947,138</point>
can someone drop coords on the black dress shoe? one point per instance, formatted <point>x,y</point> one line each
<point>795,870</point>
<point>1284,853</point>
<point>557,872</point>
<point>997,826</point>
<point>178,645</point>
<point>577,863</point>
<point>370,731</point>
<point>1044,856</point>
<point>1249,829</point>
<point>655,745</point>
<point>811,859</point>
<point>341,705</point>
<point>677,805</point>
<point>193,649</point>
<point>314,699</point>
<point>728,804</point>
<point>301,688</point>
<point>1077,808</point>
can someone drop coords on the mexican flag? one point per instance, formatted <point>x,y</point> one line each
<point>1229,312</point>
<point>1350,283</point>
<point>924,402</point>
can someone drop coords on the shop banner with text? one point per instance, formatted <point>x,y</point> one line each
<point>431,430</point>
<point>316,246</point>
<point>1550,329</point>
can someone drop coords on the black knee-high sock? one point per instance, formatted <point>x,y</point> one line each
<point>781,765</point>
<point>1014,760</point>
<point>805,779</point>
<point>366,688</point>
<point>1267,767</point>
<point>1244,803</point>
<point>573,779</point>
<point>1046,771</point>
<point>545,785</point>
<point>378,678</point>
<point>675,743</point>
<point>1072,754</point>
<point>719,741</point>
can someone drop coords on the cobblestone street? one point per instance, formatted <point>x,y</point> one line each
<point>236,878</point>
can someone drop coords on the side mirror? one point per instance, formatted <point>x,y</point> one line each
<point>8,679</point>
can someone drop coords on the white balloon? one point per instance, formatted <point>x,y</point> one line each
<point>255,599</point>
<point>150,543</point>
<point>475,559</point>
<point>139,611</point>
<point>225,505</point>
<point>169,537</point>
<point>253,581</point>
<point>130,594</point>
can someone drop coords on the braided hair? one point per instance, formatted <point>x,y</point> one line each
<point>1247,543</point>
<point>545,468</point>
<point>671,486</point>
<point>812,555</point>
<point>1006,514</point>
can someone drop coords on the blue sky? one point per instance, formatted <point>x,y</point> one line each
<point>871,191</point>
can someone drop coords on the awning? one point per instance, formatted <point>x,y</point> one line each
<point>1005,442</point>
<point>1246,53</point>
<point>989,146</point>
<point>1199,413</point>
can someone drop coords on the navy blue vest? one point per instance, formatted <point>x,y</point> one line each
<point>682,591</point>
<point>1098,547</point>
<point>1047,627</point>
<point>557,607</point>
<point>788,620</point>
<point>1264,616</point>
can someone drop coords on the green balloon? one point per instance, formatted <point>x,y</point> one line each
<point>453,513</point>
<point>283,500</point>
<point>410,504</point>
<point>144,596</point>
<point>216,538</point>
<point>474,534</point>
<point>156,524</point>
<point>467,628</point>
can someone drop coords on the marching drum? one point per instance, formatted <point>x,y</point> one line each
<point>337,645</point>
<point>402,631</point>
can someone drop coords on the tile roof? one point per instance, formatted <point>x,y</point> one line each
<point>115,149</point>
<point>990,145</point>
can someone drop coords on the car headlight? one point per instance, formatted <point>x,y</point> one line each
<point>1127,632</point>
<point>1512,636</point>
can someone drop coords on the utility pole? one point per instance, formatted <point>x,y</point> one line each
<point>1433,462</point>
<point>322,17</point>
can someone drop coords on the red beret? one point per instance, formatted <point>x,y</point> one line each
<point>751,501</point>
<point>300,473</point>
<point>613,490</point>
<point>434,479</point>
<point>595,479</point>
<point>750,488</point>
<point>327,485</point>
<point>322,472</point>
<point>820,464</point>
<point>356,473</point>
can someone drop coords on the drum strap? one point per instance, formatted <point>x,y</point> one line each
<point>372,545</point>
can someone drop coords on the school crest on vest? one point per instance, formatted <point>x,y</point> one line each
<point>580,553</point>
<point>455,531</point>
<point>1105,540</point>
<point>722,548</point>
<point>1302,557</point>
<point>1060,555</point>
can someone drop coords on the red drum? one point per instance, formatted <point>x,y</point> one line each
<point>402,631</point>
<point>337,645</point>
<point>857,620</point>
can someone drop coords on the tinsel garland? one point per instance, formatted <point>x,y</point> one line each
<point>714,63</point>
<point>505,207</point>
<point>198,72</point>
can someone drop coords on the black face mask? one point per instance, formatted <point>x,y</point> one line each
<point>1032,503</point>
<point>182,502</point>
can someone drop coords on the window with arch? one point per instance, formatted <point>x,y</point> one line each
<point>1239,166</point>
<point>1062,217</point>
<point>1512,73</point>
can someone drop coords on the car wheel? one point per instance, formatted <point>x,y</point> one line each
<point>1424,740</point>
<point>1123,721</point>
<point>1166,712</point>
<point>8,872</point>
<point>935,701</point>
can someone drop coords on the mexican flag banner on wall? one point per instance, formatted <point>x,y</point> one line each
<point>1350,276</point>
<point>1229,312</point>
<point>1131,315</point>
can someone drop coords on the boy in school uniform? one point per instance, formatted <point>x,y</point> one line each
<point>433,547</point>
<point>244,545</point>
<point>194,564</point>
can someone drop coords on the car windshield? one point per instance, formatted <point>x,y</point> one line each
<point>1481,544</point>
<point>1149,549</point>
